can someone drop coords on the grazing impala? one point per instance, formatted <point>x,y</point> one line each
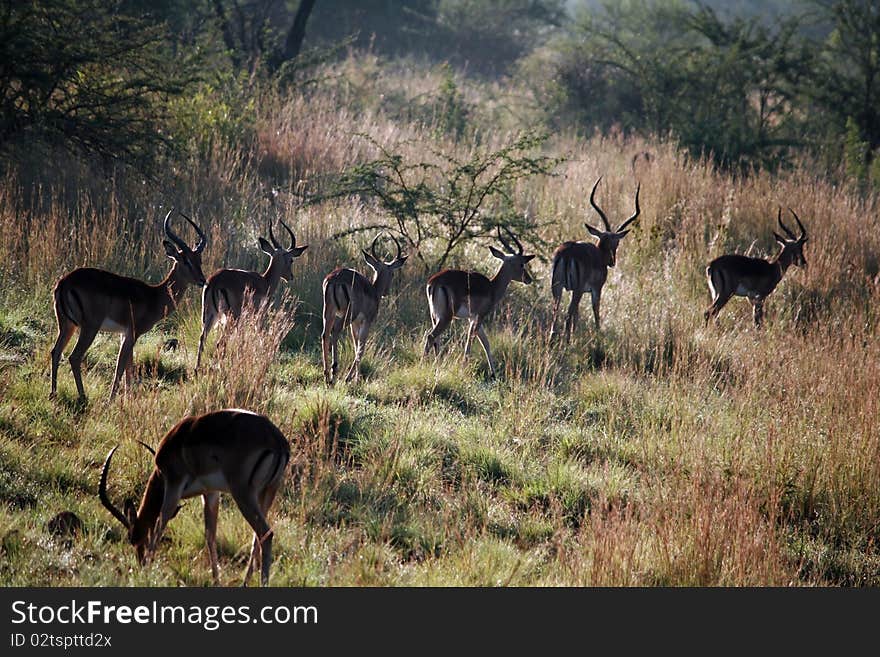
<point>453,293</point>
<point>737,275</point>
<point>96,300</point>
<point>582,266</point>
<point>349,298</point>
<point>227,289</point>
<point>230,451</point>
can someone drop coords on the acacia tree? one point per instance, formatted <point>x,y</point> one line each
<point>79,74</point>
<point>440,204</point>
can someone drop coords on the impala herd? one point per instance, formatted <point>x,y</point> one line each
<point>245,454</point>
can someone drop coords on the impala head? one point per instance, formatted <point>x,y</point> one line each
<point>139,523</point>
<point>792,246</point>
<point>514,257</point>
<point>188,260</point>
<point>382,269</point>
<point>284,255</point>
<point>610,238</point>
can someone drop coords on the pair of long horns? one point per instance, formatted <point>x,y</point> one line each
<point>507,246</point>
<point>102,487</point>
<point>602,214</point>
<point>791,235</point>
<point>203,240</point>
<point>289,232</point>
<point>396,243</point>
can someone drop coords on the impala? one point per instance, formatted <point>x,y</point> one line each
<point>96,300</point>
<point>583,266</point>
<point>349,298</point>
<point>231,451</point>
<point>226,291</point>
<point>453,293</point>
<point>737,275</point>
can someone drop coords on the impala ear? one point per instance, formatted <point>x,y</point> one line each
<point>779,238</point>
<point>399,262</point>
<point>527,258</point>
<point>298,251</point>
<point>595,232</point>
<point>265,247</point>
<point>370,260</point>
<point>498,254</point>
<point>171,250</point>
<point>130,512</point>
<point>622,233</point>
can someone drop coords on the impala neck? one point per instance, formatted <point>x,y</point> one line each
<point>173,286</point>
<point>272,275</point>
<point>381,282</point>
<point>501,280</point>
<point>150,508</point>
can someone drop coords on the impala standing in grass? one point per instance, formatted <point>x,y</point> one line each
<point>583,266</point>
<point>349,298</point>
<point>738,275</point>
<point>227,289</point>
<point>96,300</point>
<point>453,293</point>
<point>231,451</point>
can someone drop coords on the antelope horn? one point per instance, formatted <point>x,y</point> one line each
<point>399,250</point>
<point>102,492</point>
<point>788,232</point>
<point>504,242</point>
<point>150,449</point>
<point>800,225</point>
<point>373,246</point>
<point>203,240</point>
<point>272,237</point>
<point>170,233</point>
<point>597,208</point>
<point>292,236</point>
<point>515,240</point>
<point>636,215</point>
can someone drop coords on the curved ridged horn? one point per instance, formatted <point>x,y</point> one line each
<point>272,237</point>
<point>203,240</point>
<point>788,232</point>
<point>800,225</point>
<point>102,492</point>
<point>636,215</point>
<point>504,242</point>
<point>515,240</point>
<point>399,250</point>
<point>372,246</point>
<point>597,208</point>
<point>166,225</point>
<point>150,449</point>
<point>292,236</point>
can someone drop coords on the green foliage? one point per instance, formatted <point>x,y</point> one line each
<point>441,204</point>
<point>855,153</point>
<point>451,109</point>
<point>79,74</point>
<point>720,87</point>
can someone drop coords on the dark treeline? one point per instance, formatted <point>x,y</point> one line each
<point>748,88</point>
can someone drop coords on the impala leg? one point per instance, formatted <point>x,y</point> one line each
<point>481,336</point>
<point>65,332</point>
<point>596,298</point>
<point>123,360</point>
<point>212,508</point>
<point>432,338</point>
<point>572,317</point>
<point>472,331</point>
<point>84,341</point>
<point>556,290</point>
<point>717,304</point>
<point>208,319</point>
<point>359,332</point>
<point>261,548</point>
<point>758,312</point>
<point>329,335</point>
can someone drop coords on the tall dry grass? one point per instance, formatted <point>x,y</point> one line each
<point>654,453</point>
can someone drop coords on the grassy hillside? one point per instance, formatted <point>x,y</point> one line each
<point>654,453</point>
